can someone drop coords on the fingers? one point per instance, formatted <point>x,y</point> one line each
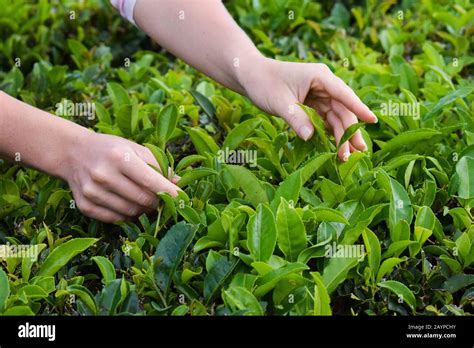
<point>348,119</point>
<point>111,201</point>
<point>175,179</point>
<point>338,130</point>
<point>138,171</point>
<point>297,119</point>
<point>344,94</point>
<point>94,211</point>
<point>130,191</point>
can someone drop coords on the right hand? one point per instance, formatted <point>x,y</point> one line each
<point>111,180</point>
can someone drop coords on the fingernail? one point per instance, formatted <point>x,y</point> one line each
<point>305,132</point>
<point>346,156</point>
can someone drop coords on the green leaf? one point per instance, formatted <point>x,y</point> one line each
<point>335,272</point>
<point>372,245</point>
<point>253,189</point>
<point>321,296</point>
<point>312,165</point>
<point>320,132</point>
<point>216,276</point>
<point>27,262</point>
<point>188,160</point>
<point>62,254</point>
<point>262,234</point>
<point>106,268</point>
<point>405,139</point>
<point>4,289</point>
<point>170,252</point>
<point>270,279</point>
<point>18,311</point>
<point>240,299</point>
<point>289,189</point>
<point>241,132</point>
<point>127,119</point>
<point>329,215</point>
<point>434,57</point>
<point>166,124</point>
<point>424,224</point>
<point>111,297</point>
<point>446,100</point>
<point>401,290</point>
<point>349,132</point>
<point>400,204</point>
<point>386,267</point>
<point>202,141</point>
<point>118,95</point>
<point>465,172</point>
<point>204,103</point>
<point>161,158</point>
<point>463,245</point>
<point>458,282</point>
<point>397,248</point>
<point>291,231</point>
<point>191,176</point>
<point>408,79</point>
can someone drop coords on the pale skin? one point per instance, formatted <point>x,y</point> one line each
<point>109,176</point>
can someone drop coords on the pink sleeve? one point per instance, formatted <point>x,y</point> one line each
<point>126,8</point>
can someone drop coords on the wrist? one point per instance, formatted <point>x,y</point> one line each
<point>70,143</point>
<point>250,69</point>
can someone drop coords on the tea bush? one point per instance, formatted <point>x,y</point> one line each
<point>295,232</point>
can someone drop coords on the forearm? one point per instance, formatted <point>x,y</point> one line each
<point>36,138</point>
<point>203,34</point>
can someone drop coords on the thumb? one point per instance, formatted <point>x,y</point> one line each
<point>298,120</point>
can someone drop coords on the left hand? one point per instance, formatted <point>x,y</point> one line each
<point>276,87</point>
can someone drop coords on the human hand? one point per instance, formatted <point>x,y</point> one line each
<point>277,86</point>
<point>111,180</point>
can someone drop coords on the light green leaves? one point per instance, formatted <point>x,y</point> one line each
<point>268,281</point>
<point>253,189</point>
<point>241,132</point>
<point>372,245</point>
<point>405,139</point>
<point>404,294</point>
<point>335,271</point>
<point>240,299</point>
<point>4,289</point>
<point>191,176</point>
<point>106,268</point>
<point>118,95</point>
<point>465,177</point>
<point>400,204</point>
<point>407,75</point>
<point>170,252</point>
<point>289,189</point>
<point>291,231</point>
<point>321,296</point>
<point>62,254</point>
<point>386,267</point>
<point>465,249</point>
<point>202,141</point>
<point>349,132</point>
<point>446,100</point>
<point>166,124</point>
<point>262,234</point>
